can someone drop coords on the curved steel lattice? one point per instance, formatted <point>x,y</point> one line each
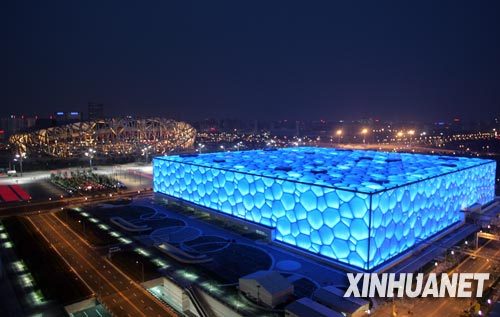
<point>108,136</point>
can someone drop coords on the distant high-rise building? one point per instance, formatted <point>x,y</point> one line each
<point>63,117</point>
<point>96,111</point>
<point>14,124</point>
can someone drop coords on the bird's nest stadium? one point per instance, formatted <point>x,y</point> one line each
<point>113,136</point>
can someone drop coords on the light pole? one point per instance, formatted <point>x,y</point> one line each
<point>339,133</point>
<point>145,152</point>
<point>411,133</point>
<point>400,136</point>
<point>238,145</point>
<point>258,293</point>
<point>364,131</point>
<point>83,224</point>
<point>20,156</point>
<point>90,154</point>
<point>142,268</point>
<point>200,147</point>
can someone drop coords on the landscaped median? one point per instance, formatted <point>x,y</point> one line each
<point>88,228</point>
<point>51,274</point>
<point>85,182</point>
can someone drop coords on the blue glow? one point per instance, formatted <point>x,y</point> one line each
<point>357,207</point>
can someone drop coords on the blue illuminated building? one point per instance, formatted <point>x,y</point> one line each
<point>357,207</point>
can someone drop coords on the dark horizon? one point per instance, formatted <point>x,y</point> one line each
<point>419,62</point>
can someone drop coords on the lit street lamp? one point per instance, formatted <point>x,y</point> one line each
<point>411,133</point>
<point>238,145</point>
<point>364,132</point>
<point>20,157</point>
<point>83,225</point>
<point>339,133</point>
<point>145,152</point>
<point>90,154</point>
<point>200,147</point>
<point>142,269</point>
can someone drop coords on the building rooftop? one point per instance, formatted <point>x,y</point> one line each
<point>356,170</point>
<point>307,307</point>
<point>272,281</point>
<point>333,297</point>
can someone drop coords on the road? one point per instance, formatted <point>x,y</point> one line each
<point>448,307</point>
<point>117,292</point>
<point>27,208</point>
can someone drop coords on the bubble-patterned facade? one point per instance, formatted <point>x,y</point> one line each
<point>361,208</point>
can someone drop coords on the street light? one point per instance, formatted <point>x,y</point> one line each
<point>20,156</point>
<point>238,145</point>
<point>200,147</point>
<point>339,133</point>
<point>411,133</point>
<point>145,152</point>
<point>364,131</point>
<point>142,267</point>
<point>83,224</point>
<point>90,154</point>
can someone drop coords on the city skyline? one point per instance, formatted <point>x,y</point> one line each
<point>192,61</point>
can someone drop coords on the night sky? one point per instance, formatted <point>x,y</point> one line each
<point>418,60</point>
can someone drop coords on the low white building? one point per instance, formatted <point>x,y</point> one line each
<point>333,297</point>
<point>305,307</point>
<point>267,287</point>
